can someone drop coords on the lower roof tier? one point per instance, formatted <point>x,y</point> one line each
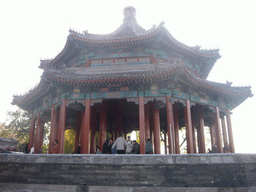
<point>173,79</point>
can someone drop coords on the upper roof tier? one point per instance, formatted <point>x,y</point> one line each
<point>130,33</point>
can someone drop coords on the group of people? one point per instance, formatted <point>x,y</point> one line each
<point>121,146</point>
<point>32,150</point>
<point>226,149</point>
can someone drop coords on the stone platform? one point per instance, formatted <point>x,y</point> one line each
<point>195,172</point>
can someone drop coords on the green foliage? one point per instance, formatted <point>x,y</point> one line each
<point>17,127</point>
<point>47,127</point>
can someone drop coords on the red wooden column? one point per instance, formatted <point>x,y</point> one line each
<point>170,125</point>
<point>103,123</point>
<point>142,125</point>
<point>53,130</point>
<point>212,133</point>
<point>156,128</point>
<point>32,132</point>
<point>85,130</point>
<point>62,125</point>
<point>151,122</point>
<point>147,122</point>
<point>198,139</point>
<point>77,130</point>
<point>165,143</point>
<point>224,130</point>
<point>38,136</point>
<point>230,133</point>
<point>93,130</point>
<point>119,118</point>
<point>193,131</point>
<point>42,135</point>
<point>189,134</point>
<point>176,128</point>
<point>201,130</point>
<point>82,126</point>
<point>93,141</point>
<point>57,123</point>
<point>217,130</point>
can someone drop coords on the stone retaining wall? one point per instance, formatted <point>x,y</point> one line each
<point>168,171</point>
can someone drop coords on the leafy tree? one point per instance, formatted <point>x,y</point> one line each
<point>17,127</point>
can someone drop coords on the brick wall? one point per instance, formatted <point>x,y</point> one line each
<point>195,170</point>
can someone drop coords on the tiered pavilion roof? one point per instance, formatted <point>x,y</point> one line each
<point>138,65</point>
<point>168,60</point>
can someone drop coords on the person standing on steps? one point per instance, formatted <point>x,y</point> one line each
<point>129,146</point>
<point>120,144</point>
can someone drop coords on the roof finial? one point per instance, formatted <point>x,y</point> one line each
<point>129,12</point>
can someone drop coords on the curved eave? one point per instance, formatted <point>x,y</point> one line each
<point>188,49</point>
<point>76,40</point>
<point>157,73</point>
<point>161,32</point>
<point>66,53</point>
<point>208,57</point>
<point>25,101</point>
<point>236,94</point>
<point>139,74</point>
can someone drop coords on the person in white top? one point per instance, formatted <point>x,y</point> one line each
<point>120,144</point>
<point>129,146</point>
<point>32,150</point>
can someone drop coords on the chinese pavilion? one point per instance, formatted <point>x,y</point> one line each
<point>131,79</point>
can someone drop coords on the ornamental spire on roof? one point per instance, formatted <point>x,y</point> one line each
<point>129,27</point>
<point>129,13</point>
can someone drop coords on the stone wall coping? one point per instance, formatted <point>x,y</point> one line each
<point>129,159</point>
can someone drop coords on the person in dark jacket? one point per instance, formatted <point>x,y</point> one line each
<point>106,147</point>
<point>148,148</point>
<point>135,148</point>
<point>78,149</point>
<point>26,148</point>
